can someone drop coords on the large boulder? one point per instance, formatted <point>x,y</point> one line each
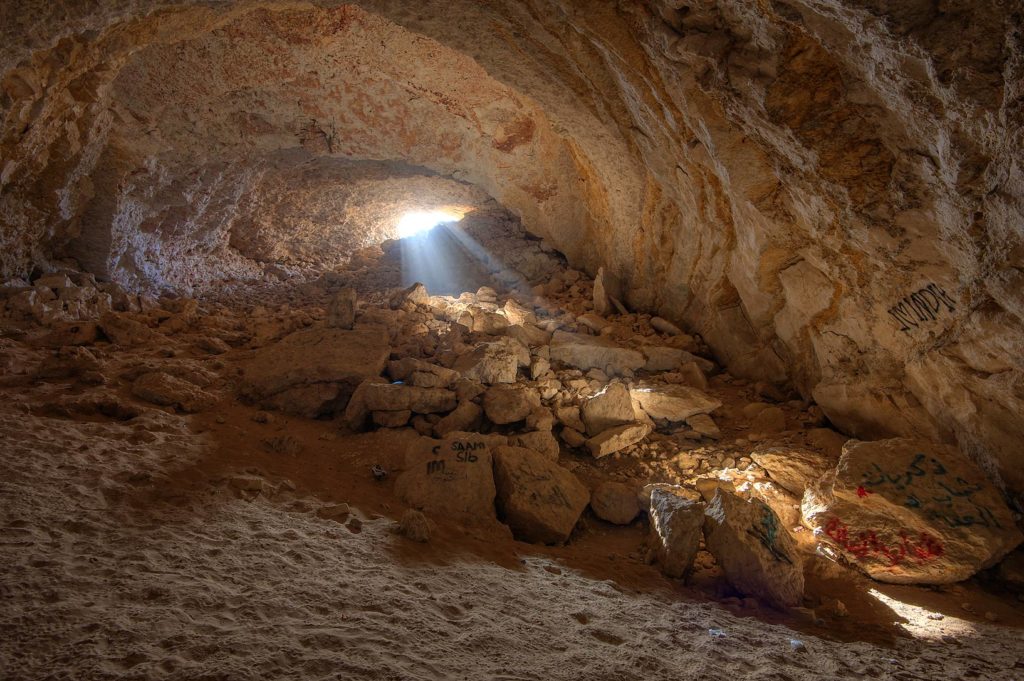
<point>538,499</point>
<point>911,512</point>
<point>673,403</point>
<point>676,524</point>
<point>757,554</point>
<point>452,478</point>
<point>594,352</point>
<point>610,407</point>
<point>334,361</point>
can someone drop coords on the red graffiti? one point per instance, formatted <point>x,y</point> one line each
<point>867,543</point>
<point>861,492</point>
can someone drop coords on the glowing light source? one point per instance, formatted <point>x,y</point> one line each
<point>417,222</point>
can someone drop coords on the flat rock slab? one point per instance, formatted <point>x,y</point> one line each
<point>911,512</point>
<point>617,438</point>
<point>676,527</point>
<point>538,499</point>
<point>316,356</point>
<point>594,352</point>
<point>450,478</point>
<point>756,553</point>
<point>673,403</point>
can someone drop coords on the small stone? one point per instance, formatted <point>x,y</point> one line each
<point>415,526</point>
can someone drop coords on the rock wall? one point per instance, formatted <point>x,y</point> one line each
<point>828,191</point>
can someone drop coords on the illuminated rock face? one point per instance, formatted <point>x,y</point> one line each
<point>826,192</point>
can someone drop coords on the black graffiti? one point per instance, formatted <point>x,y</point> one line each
<point>924,305</point>
<point>435,466</point>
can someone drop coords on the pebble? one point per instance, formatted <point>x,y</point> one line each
<point>797,645</point>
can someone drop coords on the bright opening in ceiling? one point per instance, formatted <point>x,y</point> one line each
<point>417,222</point>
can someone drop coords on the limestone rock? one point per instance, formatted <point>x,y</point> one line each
<point>316,356</point>
<point>415,526</point>
<point>911,512</point>
<point>676,526</point>
<point>538,499</point>
<point>793,469</point>
<point>408,368</point>
<point>673,402</point>
<point>121,329</point>
<point>769,420</point>
<point>594,352</point>
<point>664,326</point>
<point>756,553</point>
<point>490,363</point>
<point>392,419</point>
<point>464,417</point>
<point>541,441</point>
<point>161,388</point>
<point>664,358</point>
<point>619,437</point>
<point>341,310</point>
<point>452,478</point>
<point>615,502</point>
<point>509,404</point>
<point>573,437</point>
<point>399,397</point>
<point>704,425</point>
<point>611,407</point>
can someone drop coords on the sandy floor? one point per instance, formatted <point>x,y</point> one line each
<point>126,553</point>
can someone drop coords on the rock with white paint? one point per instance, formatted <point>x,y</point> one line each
<point>676,527</point>
<point>611,407</point>
<point>755,551</point>
<point>673,403</point>
<point>911,512</point>
<point>537,498</point>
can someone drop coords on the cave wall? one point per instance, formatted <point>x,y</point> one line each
<point>829,191</point>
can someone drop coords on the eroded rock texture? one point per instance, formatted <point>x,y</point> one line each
<point>828,192</point>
